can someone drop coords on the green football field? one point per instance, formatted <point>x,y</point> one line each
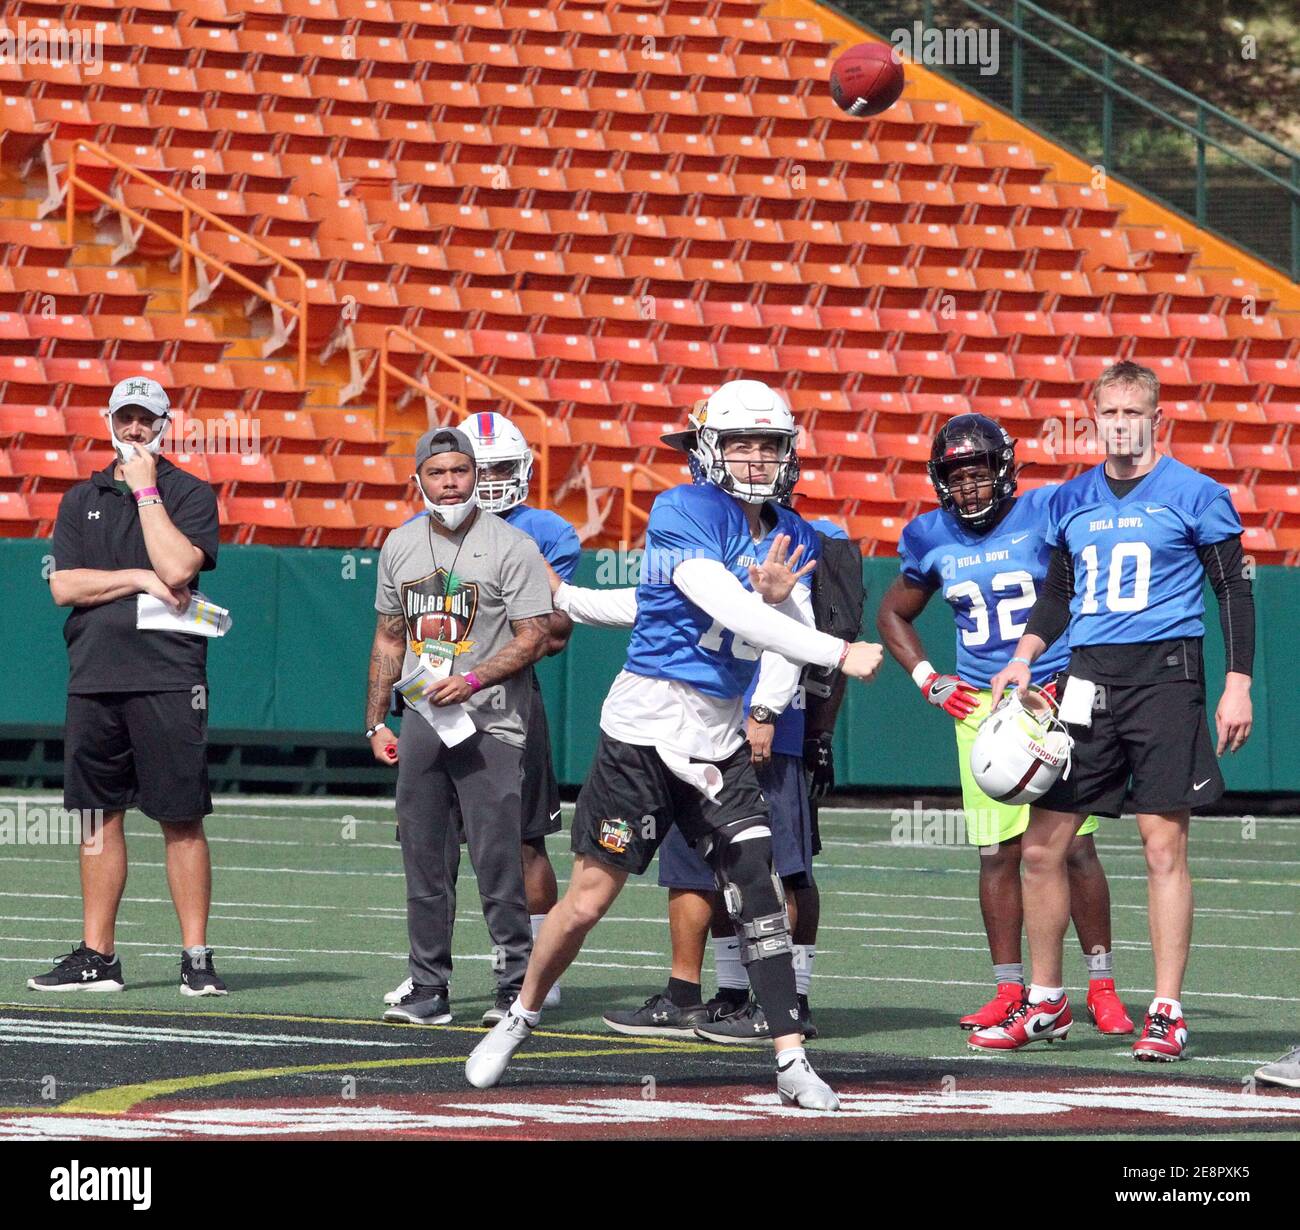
<point>308,921</point>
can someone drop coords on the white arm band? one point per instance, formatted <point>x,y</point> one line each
<point>708,584</point>
<point>597,608</point>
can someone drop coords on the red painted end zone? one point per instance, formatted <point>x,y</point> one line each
<point>984,1105</point>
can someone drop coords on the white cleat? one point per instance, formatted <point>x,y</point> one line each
<point>799,1085</point>
<point>488,1061</point>
<point>396,997</point>
<point>552,999</point>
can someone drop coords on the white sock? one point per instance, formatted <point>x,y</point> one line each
<point>1037,994</point>
<point>803,966</point>
<point>727,964</point>
<point>1172,1008</point>
<point>787,1057</point>
<point>517,1009</point>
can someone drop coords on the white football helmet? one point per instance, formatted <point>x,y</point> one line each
<point>496,439</point>
<point>1021,749</point>
<point>740,407</point>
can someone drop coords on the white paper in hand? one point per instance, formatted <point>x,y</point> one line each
<point>200,618</point>
<point>451,722</point>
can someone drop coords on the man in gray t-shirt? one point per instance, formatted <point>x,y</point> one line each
<point>466,594</point>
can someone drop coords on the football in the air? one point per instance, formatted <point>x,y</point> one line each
<point>867,79</point>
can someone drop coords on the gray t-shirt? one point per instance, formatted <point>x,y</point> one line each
<point>496,575</point>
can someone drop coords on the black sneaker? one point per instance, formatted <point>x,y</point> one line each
<point>658,1017</point>
<point>422,1006</point>
<point>199,975</point>
<point>83,969</point>
<point>806,1026</point>
<point>499,1008</point>
<point>750,1025</point>
<point>725,1002</point>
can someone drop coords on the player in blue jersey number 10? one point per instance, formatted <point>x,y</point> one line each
<point>983,550</point>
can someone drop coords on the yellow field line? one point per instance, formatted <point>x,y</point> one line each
<point>122,1098</point>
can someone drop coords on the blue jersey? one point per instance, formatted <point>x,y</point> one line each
<point>556,539</point>
<point>672,637</point>
<point>990,580</point>
<point>1137,575</point>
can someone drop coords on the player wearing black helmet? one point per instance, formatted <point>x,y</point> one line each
<point>985,549</point>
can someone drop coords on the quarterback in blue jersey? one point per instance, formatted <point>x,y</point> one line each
<point>672,751</point>
<point>504,462</point>
<point>985,551</point>
<point>774,730</point>
<point>1133,540</point>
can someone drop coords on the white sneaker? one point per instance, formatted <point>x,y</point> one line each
<point>396,997</point>
<point>487,1061</point>
<point>552,999</point>
<point>799,1085</point>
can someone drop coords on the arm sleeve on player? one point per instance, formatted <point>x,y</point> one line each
<point>1224,566</point>
<point>713,589</point>
<point>597,608</point>
<point>778,677</point>
<point>1051,613</point>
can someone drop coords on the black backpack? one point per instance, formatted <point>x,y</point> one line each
<point>839,599</point>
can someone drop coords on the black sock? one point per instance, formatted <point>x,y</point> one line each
<point>733,995</point>
<point>773,983</point>
<point>682,993</point>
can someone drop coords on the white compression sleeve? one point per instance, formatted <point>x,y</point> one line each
<point>597,608</point>
<point>778,677</point>
<point>708,584</point>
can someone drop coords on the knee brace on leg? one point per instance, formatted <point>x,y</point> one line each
<point>741,858</point>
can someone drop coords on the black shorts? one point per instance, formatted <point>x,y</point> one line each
<point>1148,741</point>
<point>137,749</point>
<point>541,792</point>
<point>630,800</point>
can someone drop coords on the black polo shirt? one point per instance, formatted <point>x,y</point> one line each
<point>99,527</point>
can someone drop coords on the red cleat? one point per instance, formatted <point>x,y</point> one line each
<point>1001,1006</point>
<point>1041,1022</point>
<point>1164,1036</point>
<point>1105,1009</point>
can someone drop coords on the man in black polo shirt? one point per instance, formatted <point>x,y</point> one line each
<point>136,729</point>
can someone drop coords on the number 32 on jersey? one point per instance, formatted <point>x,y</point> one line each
<point>1012,610</point>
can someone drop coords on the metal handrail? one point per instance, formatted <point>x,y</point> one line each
<point>1111,92</point>
<point>1141,69</point>
<point>185,243</point>
<point>461,409</point>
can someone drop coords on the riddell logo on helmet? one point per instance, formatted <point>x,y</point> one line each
<point>1041,753</point>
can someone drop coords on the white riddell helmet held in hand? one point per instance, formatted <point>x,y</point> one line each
<point>1021,749</point>
<point>740,408</point>
<point>497,440</point>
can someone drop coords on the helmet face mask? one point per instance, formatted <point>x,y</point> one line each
<point>504,460</point>
<point>961,446</point>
